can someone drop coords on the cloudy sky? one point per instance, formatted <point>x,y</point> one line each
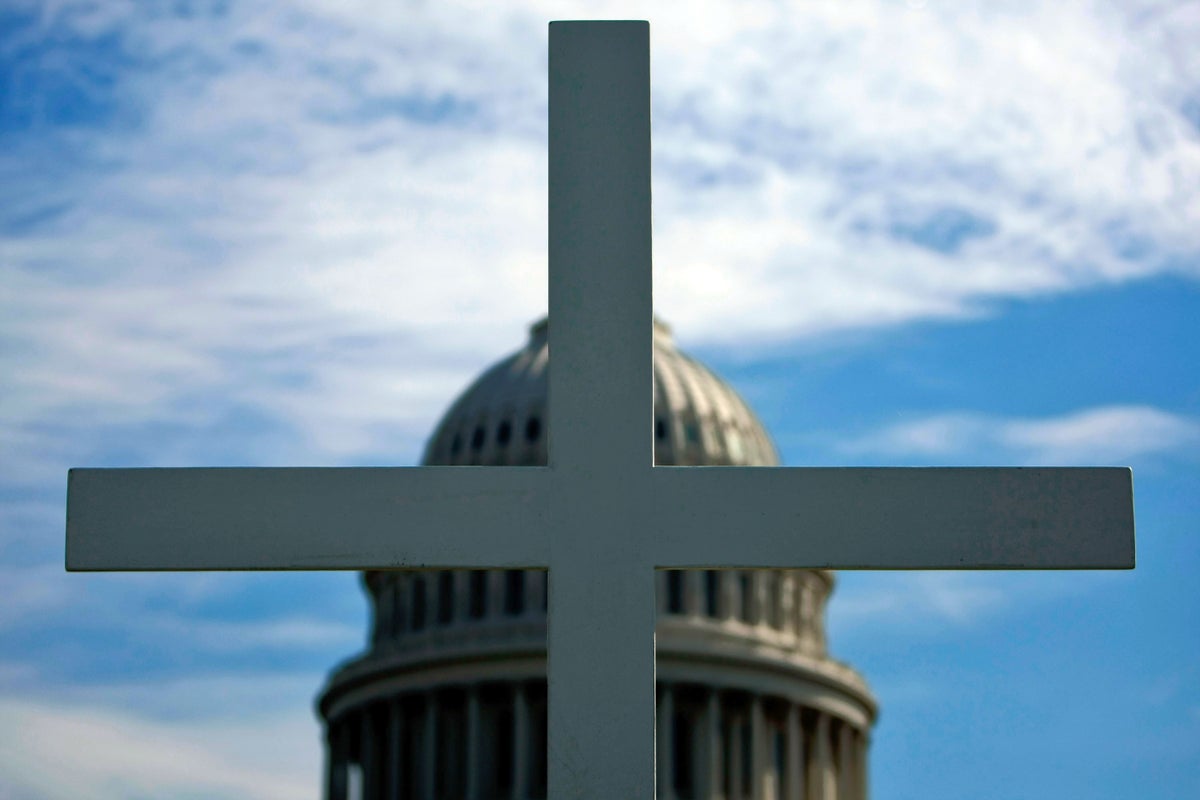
<point>908,232</point>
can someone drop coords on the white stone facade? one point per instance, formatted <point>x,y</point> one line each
<point>449,700</point>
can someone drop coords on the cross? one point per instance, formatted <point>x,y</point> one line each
<point>601,517</point>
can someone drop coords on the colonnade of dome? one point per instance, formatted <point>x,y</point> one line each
<point>487,740</point>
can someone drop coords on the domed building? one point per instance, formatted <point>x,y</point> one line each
<point>448,701</point>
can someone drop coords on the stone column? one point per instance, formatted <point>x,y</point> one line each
<point>432,580</point>
<point>535,587</point>
<point>369,754</point>
<point>429,749</point>
<point>336,784</point>
<point>804,609</point>
<point>860,764</point>
<point>729,594</point>
<point>495,588</point>
<point>666,743</point>
<point>474,779</point>
<point>736,764</point>
<point>712,750</point>
<point>759,579</point>
<point>787,602</point>
<point>846,789</point>
<point>521,742</point>
<point>693,592</point>
<point>462,601</point>
<point>758,746</point>
<point>394,758</point>
<point>795,755</point>
<point>825,780</point>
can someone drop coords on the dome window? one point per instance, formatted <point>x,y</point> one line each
<point>693,433</point>
<point>533,429</point>
<point>660,429</point>
<point>712,588</point>
<point>477,438</point>
<point>477,594</point>
<point>456,444</point>
<point>504,433</point>
<point>514,592</point>
<point>675,591</point>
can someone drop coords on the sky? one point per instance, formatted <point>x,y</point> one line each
<point>909,233</point>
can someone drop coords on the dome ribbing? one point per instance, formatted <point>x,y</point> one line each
<point>698,418</point>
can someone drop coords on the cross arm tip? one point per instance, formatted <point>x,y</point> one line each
<point>563,23</point>
<point>618,27</point>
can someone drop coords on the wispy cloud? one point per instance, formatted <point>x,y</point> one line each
<point>1111,434</point>
<point>921,600</point>
<point>323,220</point>
<point>933,603</point>
<point>55,750</point>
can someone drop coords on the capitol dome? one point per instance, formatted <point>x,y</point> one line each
<point>448,701</point>
<point>698,418</point>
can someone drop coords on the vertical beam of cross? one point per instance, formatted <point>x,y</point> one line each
<point>600,246</point>
<point>601,381</point>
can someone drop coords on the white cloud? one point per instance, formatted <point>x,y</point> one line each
<point>1110,434</point>
<point>163,621</point>
<point>330,215</point>
<point>51,750</point>
<point>209,697</point>
<point>939,598</point>
<point>948,602</point>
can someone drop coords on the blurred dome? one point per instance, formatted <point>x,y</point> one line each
<point>698,418</point>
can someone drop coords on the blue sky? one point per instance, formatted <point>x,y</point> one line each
<point>908,232</point>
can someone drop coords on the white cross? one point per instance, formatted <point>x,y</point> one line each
<point>600,516</point>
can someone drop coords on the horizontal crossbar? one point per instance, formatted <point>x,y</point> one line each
<point>895,518</point>
<point>306,518</point>
<point>380,518</point>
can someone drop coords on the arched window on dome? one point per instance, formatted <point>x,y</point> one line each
<point>477,594</point>
<point>712,593</point>
<point>514,592</point>
<point>533,428</point>
<point>675,591</point>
